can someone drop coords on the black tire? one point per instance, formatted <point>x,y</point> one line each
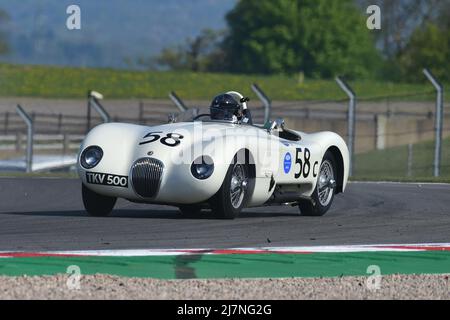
<point>190,210</point>
<point>97,205</point>
<point>314,207</point>
<point>221,203</point>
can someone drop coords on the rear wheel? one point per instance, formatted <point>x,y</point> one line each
<point>97,205</point>
<point>231,198</point>
<point>323,195</point>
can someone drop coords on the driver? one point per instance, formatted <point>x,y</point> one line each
<point>226,107</point>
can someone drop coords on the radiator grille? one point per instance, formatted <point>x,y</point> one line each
<point>146,177</point>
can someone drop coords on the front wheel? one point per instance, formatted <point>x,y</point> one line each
<point>97,205</point>
<point>323,194</point>
<point>232,196</point>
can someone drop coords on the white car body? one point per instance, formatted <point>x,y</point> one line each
<point>278,163</point>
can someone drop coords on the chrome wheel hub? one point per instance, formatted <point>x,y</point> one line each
<point>238,185</point>
<point>326,183</point>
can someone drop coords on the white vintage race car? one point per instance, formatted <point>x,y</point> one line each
<point>225,164</point>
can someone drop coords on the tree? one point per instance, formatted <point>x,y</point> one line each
<point>401,17</point>
<point>429,47</point>
<point>203,53</point>
<point>322,38</point>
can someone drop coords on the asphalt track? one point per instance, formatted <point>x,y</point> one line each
<point>47,214</point>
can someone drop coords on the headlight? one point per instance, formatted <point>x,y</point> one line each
<point>202,168</point>
<point>91,156</point>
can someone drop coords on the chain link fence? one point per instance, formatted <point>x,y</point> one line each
<point>394,135</point>
<point>402,141</point>
<point>57,136</point>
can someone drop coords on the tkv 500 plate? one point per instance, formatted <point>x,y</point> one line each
<point>107,179</point>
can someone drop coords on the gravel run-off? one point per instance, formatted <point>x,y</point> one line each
<point>113,287</point>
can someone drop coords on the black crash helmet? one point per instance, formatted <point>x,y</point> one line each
<point>224,107</point>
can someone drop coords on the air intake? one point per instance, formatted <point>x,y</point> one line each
<point>146,176</point>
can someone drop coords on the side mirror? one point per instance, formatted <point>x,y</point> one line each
<point>172,118</point>
<point>276,125</point>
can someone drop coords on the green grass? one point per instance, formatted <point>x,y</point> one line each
<point>391,164</point>
<point>225,266</point>
<point>59,82</point>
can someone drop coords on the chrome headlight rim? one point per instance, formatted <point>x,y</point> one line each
<point>97,156</point>
<point>202,168</point>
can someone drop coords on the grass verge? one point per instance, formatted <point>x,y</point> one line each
<point>205,266</point>
<point>392,164</point>
<point>64,82</point>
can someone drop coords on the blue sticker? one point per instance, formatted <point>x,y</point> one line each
<point>287,163</point>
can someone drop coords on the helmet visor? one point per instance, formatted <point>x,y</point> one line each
<point>218,113</point>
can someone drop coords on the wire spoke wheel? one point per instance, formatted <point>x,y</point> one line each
<point>325,186</point>
<point>238,185</point>
<point>232,196</point>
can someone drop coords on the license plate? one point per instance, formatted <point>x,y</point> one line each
<point>107,179</point>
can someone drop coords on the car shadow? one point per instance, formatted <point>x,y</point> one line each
<point>148,214</point>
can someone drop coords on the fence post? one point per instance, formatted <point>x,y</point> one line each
<point>6,122</point>
<point>30,132</point>
<point>177,101</point>
<point>18,141</point>
<point>141,112</point>
<point>93,101</point>
<point>88,116</point>
<point>265,100</point>
<point>438,122</point>
<point>351,120</point>
<point>66,143</point>
<point>380,131</point>
<point>410,160</point>
<point>60,122</point>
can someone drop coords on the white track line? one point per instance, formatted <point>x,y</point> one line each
<point>280,250</point>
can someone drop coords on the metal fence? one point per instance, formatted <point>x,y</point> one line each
<point>408,141</point>
<point>401,141</point>
<point>389,136</point>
